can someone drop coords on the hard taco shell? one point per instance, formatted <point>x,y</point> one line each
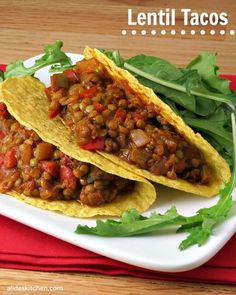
<point>220,168</point>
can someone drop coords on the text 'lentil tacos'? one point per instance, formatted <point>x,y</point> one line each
<point>109,112</point>
<point>42,165</point>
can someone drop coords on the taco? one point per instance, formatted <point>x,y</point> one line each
<point>110,113</point>
<point>42,165</point>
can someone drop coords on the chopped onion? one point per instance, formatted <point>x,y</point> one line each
<point>139,137</point>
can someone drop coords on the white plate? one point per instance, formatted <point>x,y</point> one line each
<point>156,252</point>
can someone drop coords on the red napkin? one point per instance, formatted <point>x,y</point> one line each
<point>21,247</point>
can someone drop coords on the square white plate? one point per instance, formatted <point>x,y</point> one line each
<point>156,252</point>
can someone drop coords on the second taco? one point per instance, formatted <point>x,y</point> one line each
<point>42,165</point>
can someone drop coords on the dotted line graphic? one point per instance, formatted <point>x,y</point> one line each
<point>174,32</point>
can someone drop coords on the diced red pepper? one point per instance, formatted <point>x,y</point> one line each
<point>71,75</point>
<point>10,160</point>
<point>66,161</point>
<point>3,68</point>
<point>89,93</point>
<point>2,156</point>
<point>2,135</point>
<point>96,144</point>
<point>3,111</point>
<point>53,113</point>
<point>67,177</point>
<point>50,167</point>
<point>98,106</point>
<point>120,113</point>
<point>48,92</point>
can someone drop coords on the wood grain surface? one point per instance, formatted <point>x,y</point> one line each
<point>91,284</point>
<point>26,25</point>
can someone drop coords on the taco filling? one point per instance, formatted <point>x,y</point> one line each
<point>106,115</point>
<point>38,169</point>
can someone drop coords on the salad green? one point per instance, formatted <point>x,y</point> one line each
<point>53,55</point>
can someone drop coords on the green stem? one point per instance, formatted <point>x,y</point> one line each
<point>216,97</point>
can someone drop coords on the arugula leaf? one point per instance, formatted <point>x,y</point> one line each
<point>197,105</point>
<point>213,125</point>
<point>199,90</point>
<point>60,68</point>
<point>176,96</point>
<point>131,223</point>
<point>155,66</point>
<point>189,78</point>
<point>53,55</point>
<point>205,64</point>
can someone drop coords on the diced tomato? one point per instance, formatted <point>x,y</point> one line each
<point>120,113</point>
<point>67,177</point>
<point>51,167</point>
<point>89,93</point>
<point>71,75</point>
<point>96,144</point>
<point>10,160</point>
<point>98,106</point>
<point>53,113</point>
<point>2,156</point>
<point>2,135</point>
<point>3,111</point>
<point>48,92</point>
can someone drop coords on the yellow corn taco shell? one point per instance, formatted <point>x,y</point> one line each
<point>27,103</point>
<point>220,168</point>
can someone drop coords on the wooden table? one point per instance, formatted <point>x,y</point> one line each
<point>25,26</point>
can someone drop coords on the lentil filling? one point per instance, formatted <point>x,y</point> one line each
<point>38,169</point>
<point>105,115</point>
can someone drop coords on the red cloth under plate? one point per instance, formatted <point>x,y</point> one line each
<point>21,247</point>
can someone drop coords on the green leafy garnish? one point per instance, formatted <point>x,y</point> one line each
<point>198,88</point>
<point>53,56</point>
<point>60,68</point>
<point>131,223</point>
<point>205,64</point>
<point>199,226</point>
